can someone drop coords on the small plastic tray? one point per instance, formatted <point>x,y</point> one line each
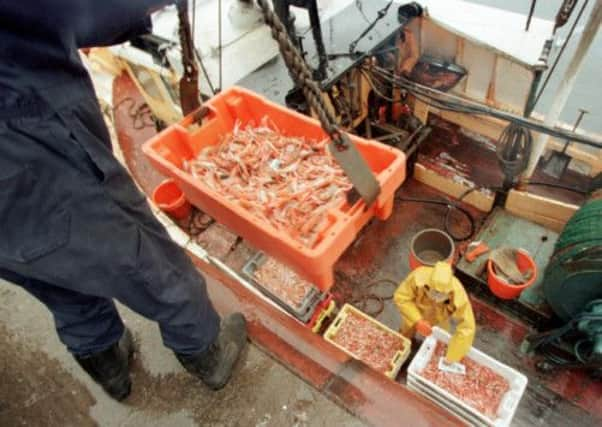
<point>182,141</point>
<point>508,405</point>
<point>396,362</point>
<point>304,311</point>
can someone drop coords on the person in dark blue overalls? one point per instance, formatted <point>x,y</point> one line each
<point>75,232</point>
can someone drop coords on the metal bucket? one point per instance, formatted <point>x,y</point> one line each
<point>430,246</point>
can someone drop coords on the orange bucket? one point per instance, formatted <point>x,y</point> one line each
<point>171,200</point>
<point>505,290</point>
<point>430,246</point>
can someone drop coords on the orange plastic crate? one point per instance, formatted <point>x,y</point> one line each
<point>181,141</point>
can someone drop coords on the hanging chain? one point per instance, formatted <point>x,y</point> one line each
<point>379,15</point>
<point>186,43</point>
<point>190,99</point>
<point>303,77</point>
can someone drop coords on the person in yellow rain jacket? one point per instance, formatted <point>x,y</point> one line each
<point>434,296</point>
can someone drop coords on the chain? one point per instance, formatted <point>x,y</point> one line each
<point>184,32</point>
<point>302,76</point>
<point>189,83</point>
<point>379,15</point>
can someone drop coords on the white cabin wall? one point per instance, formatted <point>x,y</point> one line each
<point>437,41</point>
<point>492,78</point>
<point>512,85</point>
<point>480,63</point>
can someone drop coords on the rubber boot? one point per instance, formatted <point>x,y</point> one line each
<point>110,368</point>
<point>215,365</point>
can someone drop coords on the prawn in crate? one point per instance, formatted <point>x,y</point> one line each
<point>487,394</point>
<point>365,338</point>
<point>267,174</point>
<point>296,296</point>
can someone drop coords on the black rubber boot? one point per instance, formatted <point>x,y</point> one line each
<point>110,367</point>
<point>215,365</point>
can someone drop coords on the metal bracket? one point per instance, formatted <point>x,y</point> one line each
<point>355,167</point>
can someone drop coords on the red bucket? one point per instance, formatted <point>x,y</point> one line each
<point>171,200</point>
<point>430,246</point>
<point>505,290</point>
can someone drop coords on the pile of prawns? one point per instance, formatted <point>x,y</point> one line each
<point>286,181</point>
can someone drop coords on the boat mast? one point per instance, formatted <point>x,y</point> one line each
<point>565,88</point>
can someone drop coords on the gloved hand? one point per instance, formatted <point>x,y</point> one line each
<point>424,328</point>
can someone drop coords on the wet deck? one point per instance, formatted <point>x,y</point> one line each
<point>470,150</point>
<point>380,252</point>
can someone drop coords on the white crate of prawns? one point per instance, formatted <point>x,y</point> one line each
<point>487,395</point>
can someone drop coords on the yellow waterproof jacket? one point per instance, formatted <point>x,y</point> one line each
<point>414,304</point>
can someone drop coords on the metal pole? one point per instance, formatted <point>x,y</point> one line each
<point>532,97</point>
<point>566,87</point>
<point>530,14</point>
<point>582,113</point>
<point>557,59</point>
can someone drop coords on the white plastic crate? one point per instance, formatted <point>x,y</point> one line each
<point>508,405</point>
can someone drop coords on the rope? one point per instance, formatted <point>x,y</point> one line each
<point>557,59</point>
<point>302,75</point>
<point>361,296</point>
<point>451,102</point>
<point>513,150</point>
<point>360,7</point>
<point>379,15</point>
<point>219,32</point>
<point>193,19</point>
<point>542,342</point>
<point>194,52</point>
<point>205,73</point>
<point>140,114</point>
<point>185,34</point>
<point>451,206</point>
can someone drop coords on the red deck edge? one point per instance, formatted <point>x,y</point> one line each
<point>362,391</point>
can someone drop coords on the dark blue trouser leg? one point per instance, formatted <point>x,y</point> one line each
<point>85,324</point>
<point>71,216</point>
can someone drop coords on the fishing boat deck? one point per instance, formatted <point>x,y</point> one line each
<point>380,252</point>
<point>477,157</point>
